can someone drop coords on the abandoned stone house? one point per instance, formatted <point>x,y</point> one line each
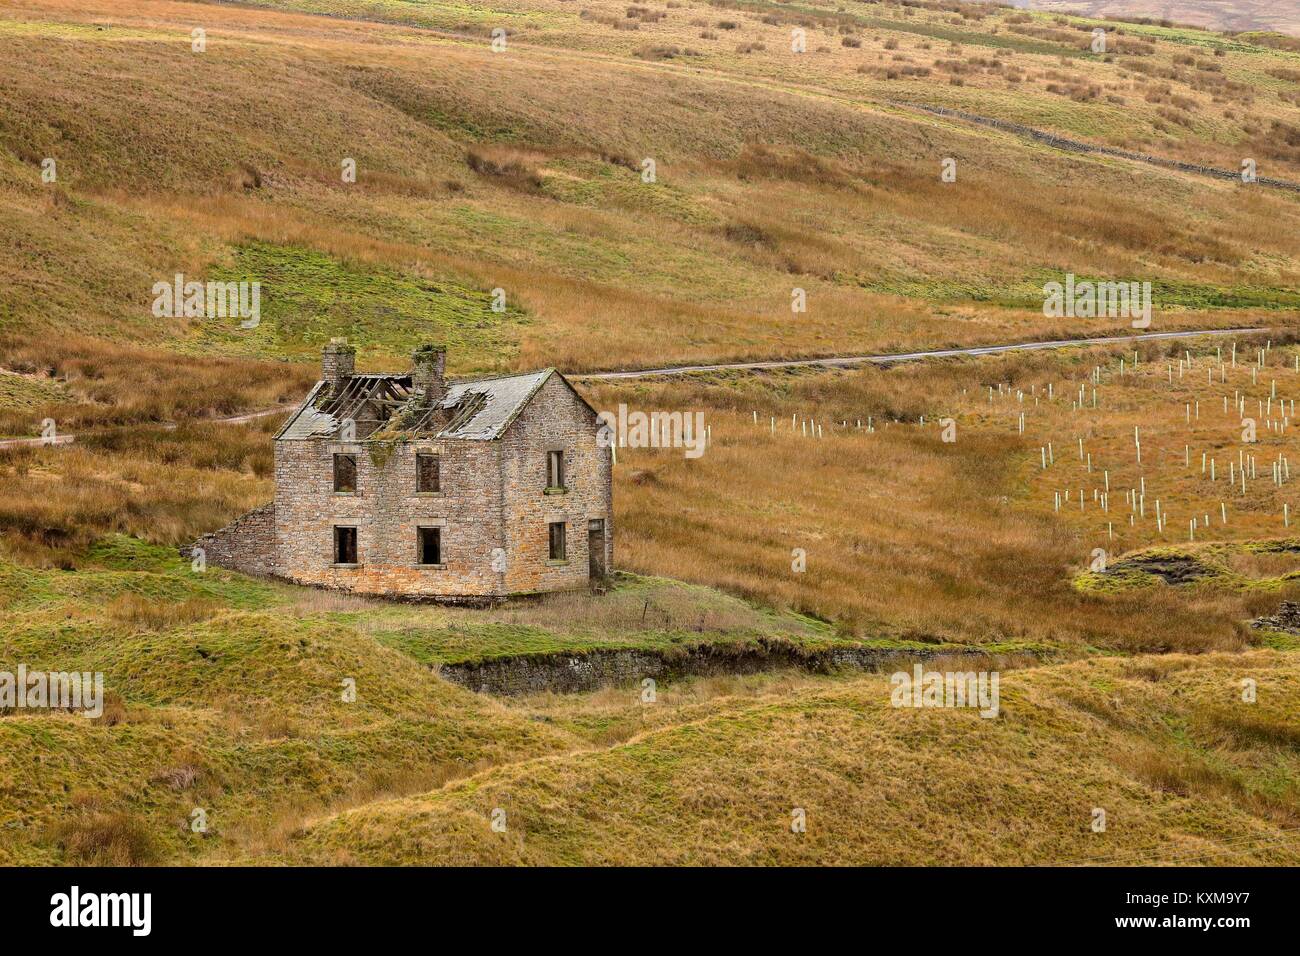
<point>409,485</point>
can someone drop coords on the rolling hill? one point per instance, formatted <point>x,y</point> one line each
<point>649,184</point>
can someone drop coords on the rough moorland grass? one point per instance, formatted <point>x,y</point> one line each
<point>228,700</point>
<point>638,613</point>
<point>308,298</point>
<point>240,713</point>
<point>911,537</point>
<point>612,271</point>
<point>1184,769</point>
<point>94,383</point>
<point>27,391</point>
<point>165,485</point>
<point>227,695</point>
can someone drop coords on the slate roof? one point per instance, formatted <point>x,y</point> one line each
<point>385,407</point>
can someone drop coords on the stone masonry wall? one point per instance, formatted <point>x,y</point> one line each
<point>556,419</point>
<point>386,510</point>
<point>247,544</point>
<point>493,496</point>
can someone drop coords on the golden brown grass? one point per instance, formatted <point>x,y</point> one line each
<point>166,486</point>
<point>138,612</point>
<point>107,384</point>
<point>843,197</point>
<point>106,838</point>
<point>716,783</point>
<point>912,537</point>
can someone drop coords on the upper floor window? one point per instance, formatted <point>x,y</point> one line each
<point>555,469</point>
<point>427,476</point>
<point>345,472</point>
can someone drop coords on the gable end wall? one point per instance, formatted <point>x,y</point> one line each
<point>555,418</point>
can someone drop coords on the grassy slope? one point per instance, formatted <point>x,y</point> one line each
<point>914,537</point>
<point>225,694</point>
<point>699,264</point>
<point>1180,765</point>
<point>520,170</point>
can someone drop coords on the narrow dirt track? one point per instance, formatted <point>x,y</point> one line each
<point>69,438</point>
<point>1078,146</point>
<point>846,361</point>
<point>890,358</point>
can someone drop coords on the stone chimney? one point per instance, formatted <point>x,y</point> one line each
<point>338,362</point>
<point>428,367</point>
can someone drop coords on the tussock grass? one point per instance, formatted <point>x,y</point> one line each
<point>238,712</point>
<point>138,612</point>
<point>107,384</point>
<point>716,781</point>
<point>906,537</point>
<point>57,501</point>
<point>106,838</point>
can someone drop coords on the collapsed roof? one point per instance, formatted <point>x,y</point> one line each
<point>387,407</point>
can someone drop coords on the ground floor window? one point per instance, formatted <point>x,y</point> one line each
<point>345,545</point>
<point>557,541</point>
<point>430,545</point>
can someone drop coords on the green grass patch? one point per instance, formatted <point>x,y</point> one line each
<point>308,297</point>
<point>1027,293</point>
<point>22,391</point>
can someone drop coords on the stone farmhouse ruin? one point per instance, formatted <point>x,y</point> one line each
<point>407,485</point>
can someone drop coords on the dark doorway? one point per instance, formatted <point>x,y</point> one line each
<point>596,548</point>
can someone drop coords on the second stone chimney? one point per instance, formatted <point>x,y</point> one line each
<point>338,362</point>
<point>428,373</point>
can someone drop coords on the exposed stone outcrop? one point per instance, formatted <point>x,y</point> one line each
<point>569,673</point>
<point>1287,618</point>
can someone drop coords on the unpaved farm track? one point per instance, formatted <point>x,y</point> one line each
<point>1078,146</point>
<point>69,438</point>
<point>890,358</point>
<point>846,361</point>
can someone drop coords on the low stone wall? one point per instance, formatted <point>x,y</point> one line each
<point>246,545</point>
<point>570,673</point>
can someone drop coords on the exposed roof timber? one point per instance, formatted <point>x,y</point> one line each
<point>478,409</point>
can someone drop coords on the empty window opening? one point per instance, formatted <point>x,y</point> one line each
<point>430,546</point>
<point>555,469</point>
<point>557,541</point>
<point>345,545</point>
<point>345,472</point>
<point>427,477</point>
